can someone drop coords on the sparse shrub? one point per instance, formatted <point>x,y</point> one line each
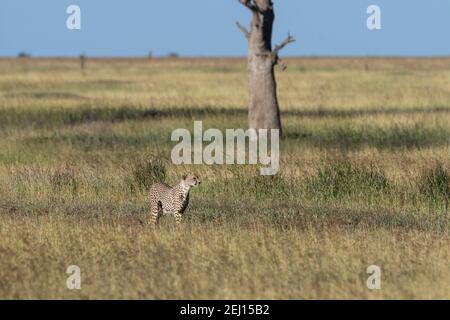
<point>257,186</point>
<point>263,186</point>
<point>173,55</point>
<point>344,178</point>
<point>435,182</point>
<point>149,172</point>
<point>23,54</point>
<point>63,178</point>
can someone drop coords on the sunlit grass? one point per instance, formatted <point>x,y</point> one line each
<point>364,179</point>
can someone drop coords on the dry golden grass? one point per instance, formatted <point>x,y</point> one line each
<point>364,179</point>
<point>210,261</point>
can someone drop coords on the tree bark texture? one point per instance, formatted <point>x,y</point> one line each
<point>264,111</point>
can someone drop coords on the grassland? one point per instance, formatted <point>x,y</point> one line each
<point>364,179</point>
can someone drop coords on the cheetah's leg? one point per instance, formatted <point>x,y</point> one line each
<point>178,218</point>
<point>154,213</point>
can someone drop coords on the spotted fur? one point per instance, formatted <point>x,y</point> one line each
<point>171,200</point>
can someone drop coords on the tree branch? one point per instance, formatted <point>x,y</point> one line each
<point>283,65</point>
<point>279,47</point>
<point>249,4</point>
<point>244,30</point>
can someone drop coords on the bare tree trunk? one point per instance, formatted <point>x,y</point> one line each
<point>264,112</point>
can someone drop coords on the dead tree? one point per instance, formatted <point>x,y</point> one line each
<point>82,63</point>
<point>264,112</point>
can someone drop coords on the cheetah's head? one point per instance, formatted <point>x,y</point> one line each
<point>191,180</point>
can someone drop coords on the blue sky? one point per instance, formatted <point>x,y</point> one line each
<point>206,27</point>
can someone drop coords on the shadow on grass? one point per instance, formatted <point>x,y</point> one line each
<point>279,215</point>
<point>287,214</point>
<point>341,137</point>
<point>395,137</point>
<point>82,114</point>
<point>67,117</point>
<point>96,141</point>
<point>45,95</point>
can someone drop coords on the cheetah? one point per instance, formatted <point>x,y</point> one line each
<point>171,200</point>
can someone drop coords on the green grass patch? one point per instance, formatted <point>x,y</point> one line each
<point>343,179</point>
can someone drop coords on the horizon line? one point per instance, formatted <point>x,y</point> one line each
<point>163,57</point>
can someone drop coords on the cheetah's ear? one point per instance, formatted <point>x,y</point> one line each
<point>184,176</point>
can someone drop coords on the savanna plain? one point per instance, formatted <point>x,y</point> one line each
<point>364,180</point>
